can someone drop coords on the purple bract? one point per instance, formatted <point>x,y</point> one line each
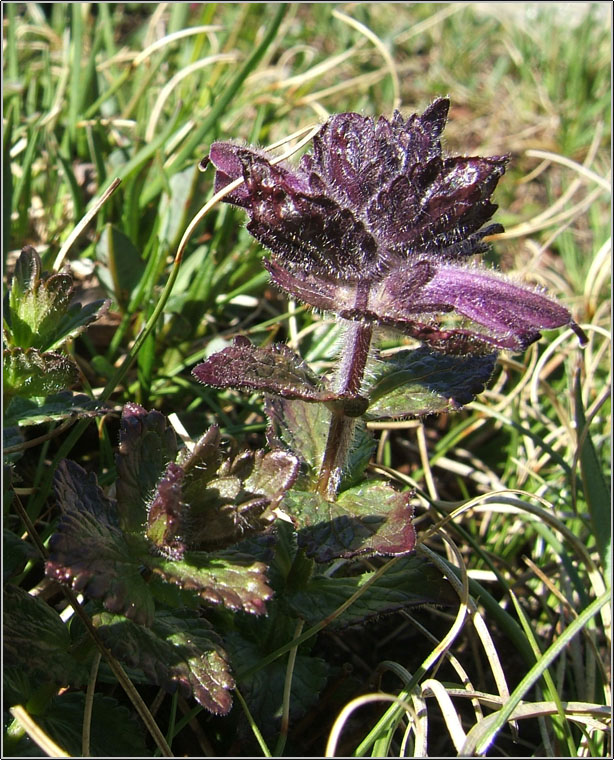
<point>377,226</point>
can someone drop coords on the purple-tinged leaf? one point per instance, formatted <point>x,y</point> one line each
<point>36,643</point>
<point>204,459</point>
<point>146,446</point>
<point>239,500</point>
<point>167,514</point>
<point>275,369</point>
<point>269,473</point>
<point>227,578</point>
<point>179,651</point>
<point>418,382</point>
<point>208,503</point>
<point>90,553</point>
<point>409,582</point>
<point>370,519</point>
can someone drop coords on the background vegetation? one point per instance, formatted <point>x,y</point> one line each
<point>511,493</point>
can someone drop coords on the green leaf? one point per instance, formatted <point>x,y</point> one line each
<point>363,446</point>
<point>15,553</point>
<point>179,650</point>
<point>40,314</point>
<point>78,318</point>
<point>301,427</point>
<point>120,264</point>
<point>90,553</point>
<point>36,305</point>
<point>23,412</point>
<point>410,581</point>
<point>227,578</point>
<point>36,643</point>
<point>420,381</point>
<point>115,732</point>
<point>32,373</point>
<point>263,690</point>
<point>369,519</point>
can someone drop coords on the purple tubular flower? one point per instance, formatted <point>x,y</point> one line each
<point>377,226</point>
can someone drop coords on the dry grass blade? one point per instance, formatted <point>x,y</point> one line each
<point>35,732</point>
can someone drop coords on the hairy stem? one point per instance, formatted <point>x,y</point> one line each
<point>357,342</point>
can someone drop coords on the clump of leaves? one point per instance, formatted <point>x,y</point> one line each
<point>377,226</point>
<point>40,317</point>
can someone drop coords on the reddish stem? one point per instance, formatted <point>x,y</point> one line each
<point>350,375</point>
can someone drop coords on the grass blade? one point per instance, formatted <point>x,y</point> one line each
<point>482,734</point>
<point>598,497</point>
<point>220,105</point>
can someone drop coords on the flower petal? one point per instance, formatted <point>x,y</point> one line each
<point>511,315</point>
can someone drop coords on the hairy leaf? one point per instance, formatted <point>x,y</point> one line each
<point>420,381</point>
<point>228,578</point>
<point>410,581</point>
<point>32,373</point>
<point>303,429</point>
<point>241,498</point>
<point>274,369</point>
<point>40,314</point>
<point>146,446</point>
<point>90,553</point>
<point>166,515</point>
<point>36,305</point>
<point>179,651</point>
<point>202,462</point>
<point>368,519</point>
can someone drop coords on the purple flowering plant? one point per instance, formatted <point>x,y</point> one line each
<point>376,225</point>
<point>379,227</point>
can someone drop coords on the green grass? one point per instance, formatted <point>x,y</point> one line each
<point>512,501</point>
